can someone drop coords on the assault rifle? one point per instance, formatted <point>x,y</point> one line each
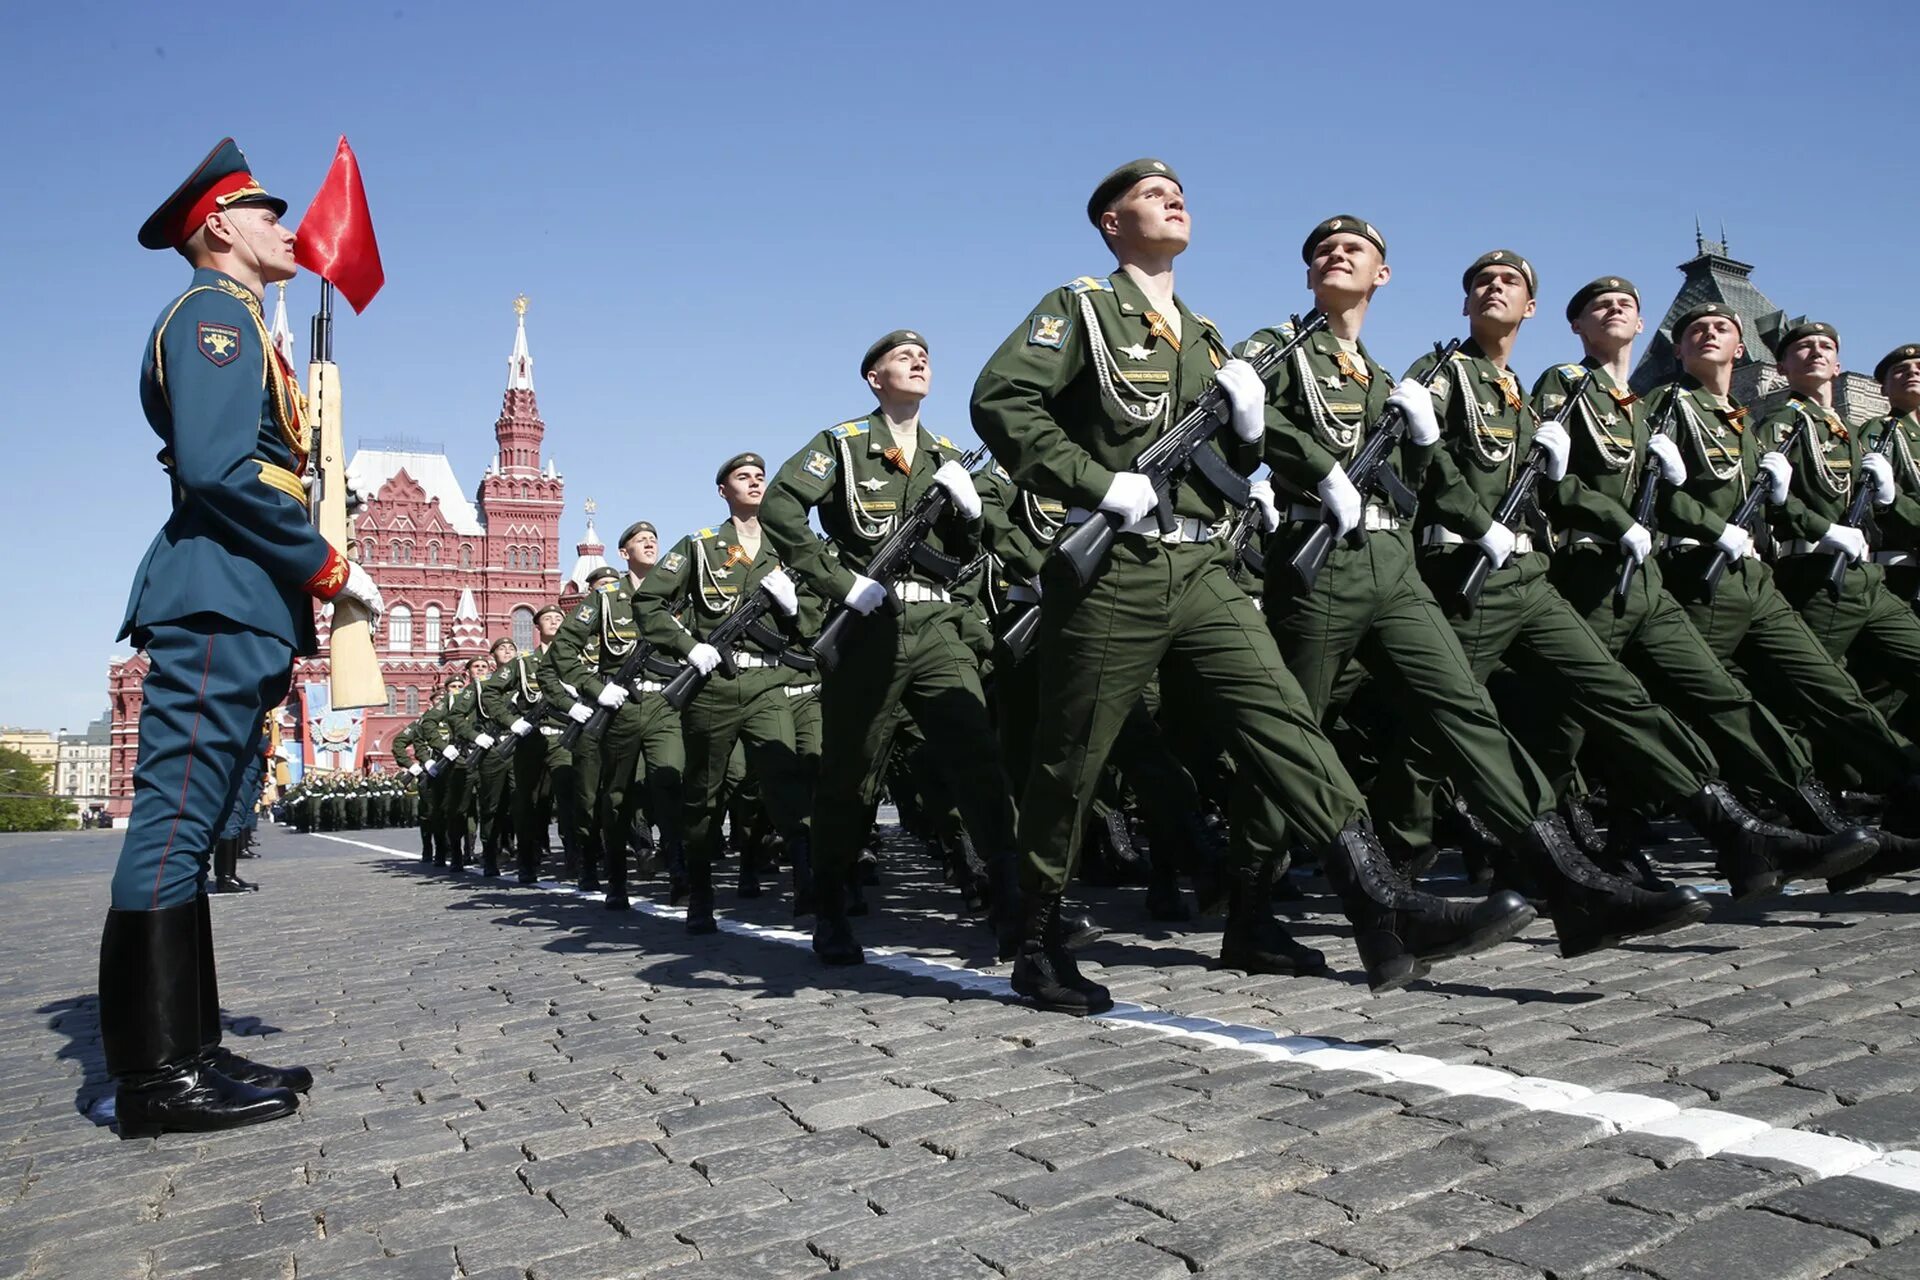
<point>1650,490</point>
<point>1087,545</point>
<point>731,630</point>
<point>1372,469</point>
<point>491,728</point>
<point>1743,516</point>
<point>1856,511</point>
<point>905,545</point>
<point>1249,560</point>
<point>1511,505</point>
<point>640,660</point>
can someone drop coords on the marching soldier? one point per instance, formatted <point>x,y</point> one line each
<point>908,647</point>
<point>693,589</point>
<point>539,762</point>
<point>1101,368</point>
<point>435,740</point>
<point>461,722</point>
<point>492,774</point>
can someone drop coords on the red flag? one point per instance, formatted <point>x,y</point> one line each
<point>335,240</point>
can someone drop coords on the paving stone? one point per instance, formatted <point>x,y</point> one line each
<point>1414,1231</point>
<point>1123,1258</point>
<point>1293,1260</point>
<point>1887,1124</point>
<point>942,1263</point>
<point>1106,1175</point>
<point>1037,1240</point>
<point>1392,1183</point>
<point>965,1213</point>
<point>1699,1189</point>
<point>1466,1265</point>
<point>1901,1262</point>
<point>1579,1238</point>
<point>1752,1242</point>
<point>1210,1237</point>
<point>1869,1076</point>
<point>828,1106</point>
<point>1881,1213</point>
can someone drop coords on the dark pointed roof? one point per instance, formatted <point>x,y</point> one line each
<point>1712,276</point>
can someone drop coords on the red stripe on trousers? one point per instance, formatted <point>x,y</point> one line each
<point>180,811</point>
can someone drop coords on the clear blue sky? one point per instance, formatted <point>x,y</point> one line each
<point>715,208</point>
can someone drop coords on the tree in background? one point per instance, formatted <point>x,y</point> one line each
<point>27,802</point>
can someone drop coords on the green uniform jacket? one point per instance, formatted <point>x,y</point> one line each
<point>1607,427</point>
<point>697,584</point>
<point>1020,525</point>
<point>402,744</point>
<point>1486,432</point>
<point>1089,380</point>
<point>520,688</point>
<point>1720,456</point>
<point>1825,462</point>
<point>1900,523</point>
<point>844,474</point>
<point>432,732</point>
<point>591,644</point>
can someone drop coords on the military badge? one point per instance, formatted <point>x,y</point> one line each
<point>673,561</point>
<point>1047,331</point>
<point>585,614</point>
<point>219,343</point>
<point>818,465</point>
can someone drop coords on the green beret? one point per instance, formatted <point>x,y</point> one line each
<point>1594,288</point>
<point>638,526</point>
<point>737,461</point>
<point>1117,183</point>
<point>599,575</point>
<point>1703,311</point>
<point>898,338</point>
<point>1804,329</point>
<point>1897,356</point>
<point>1501,258</point>
<point>1345,222</point>
<point>548,608</point>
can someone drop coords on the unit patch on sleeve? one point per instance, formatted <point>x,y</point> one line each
<point>673,562</point>
<point>1047,331</point>
<point>219,343</point>
<point>818,465</point>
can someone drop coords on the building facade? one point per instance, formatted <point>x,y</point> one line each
<point>84,766</point>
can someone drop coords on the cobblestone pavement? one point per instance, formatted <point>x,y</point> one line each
<point>515,1083</point>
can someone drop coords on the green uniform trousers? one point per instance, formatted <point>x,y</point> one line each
<point>493,797</point>
<point>641,746</point>
<point>914,659</point>
<point>750,711</point>
<point>1170,608</point>
<point>427,805</point>
<point>456,801</point>
<point>1370,604</point>
<point>1523,622</point>
<point>536,760</point>
<point>1754,629</point>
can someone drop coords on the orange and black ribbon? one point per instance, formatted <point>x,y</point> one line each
<point>1157,327</point>
<point>897,460</point>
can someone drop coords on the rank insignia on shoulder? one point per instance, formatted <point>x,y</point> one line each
<point>219,343</point>
<point>1091,284</point>
<point>1047,331</point>
<point>845,429</point>
<point>673,561</point>
<point>1573,372</point>
<point>818,465</point>
<point>945,443</point>
<point>704,534</point>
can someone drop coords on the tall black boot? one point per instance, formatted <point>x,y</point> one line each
<point>833,939</point>
<point>617,899</point>
<point>749,883</point>
<point>225,1061</point>
<point>1813,808</point>
<point>226,868</point>
<point>700,898</point>
<point>1584,830</point>
<point>1005,916</point>
<point>800,855</point>
<point>1044,971</point>
<point>426,844</point>
<point>1592,909</point>
<point>1401,930</point>
<point>1255,940</point>
<point>674,852</point>
<point>1757,857</point>
<point>1206,862</point>
<point>1622,856</point>
<point>151,1031</point>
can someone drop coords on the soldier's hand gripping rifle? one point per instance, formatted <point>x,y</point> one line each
<point>888,564</point>
<point>1650,491</point>
<point>1742,517</point>
<point>732,629</point>
<point>490,728</point>
<point>1856,510</point>
<point>1085,547</point>
<point>1372,470</point>
<point>1512,503</point>
<point>640,659</point>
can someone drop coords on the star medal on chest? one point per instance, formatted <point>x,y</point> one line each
<point>873,484</point>
<point>1136,352</point>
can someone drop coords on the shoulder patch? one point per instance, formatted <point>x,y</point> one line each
<point>704,534</point>
<point>1091,284</point>
<point>818,465</point>
<point>1253,347</point>
<point>1048,331</point>
<point>672,562</point>
<point>219,343</point>
<point>1573,372</point>
<point>858,427</point>
<point>1003,473</point>
<point>584,614</point>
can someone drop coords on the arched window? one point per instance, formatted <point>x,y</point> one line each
<point>535,552</point>
<point>526,491</point>
<point>523,628</point>
<point>400,629</point>
<point>369,551</point>
<point>433,630</point>
<point>466,555</point>
<point>433,553</point>
<point>393,699</point>
<point>413,701</point>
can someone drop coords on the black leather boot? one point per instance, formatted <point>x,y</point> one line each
<point>800,857</point>
<point>1044,971</point>
<point>490,858</point>
<point>674,853</point>
<point>617,899</point>
<point>1592,909</point>
<point>1004,914</point>
<point>700,898</point>
<point>1581,826</point>
<point>1206,863</point>
<point>1165,901</point>
<point>1813,808</point>
<point>1401,930</point>
<point>152,1033</point>
<point>1622,855</point>
<point>590,869</point>
<point>749,885</point>
<point>226,864</point>
<point>833,939</point>
<point>1255,940</point>
<point>426,845</point>
<point>225,1061</point>
<point>1757,857</point>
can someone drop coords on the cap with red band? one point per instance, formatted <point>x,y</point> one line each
<point>222,181</point>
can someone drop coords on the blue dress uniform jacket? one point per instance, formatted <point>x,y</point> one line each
<point>238,543</point>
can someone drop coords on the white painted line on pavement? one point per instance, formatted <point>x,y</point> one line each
<point>1708,1131</point>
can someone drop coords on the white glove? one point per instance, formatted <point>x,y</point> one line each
<point>865,595</point>
<point>1844,537</point>
<point>1552,437</point>
<point>779,587</point>
<point>613,696</point>
<point>1130,497</point>
<point>1877,469</point>
<point>1735,541</point>
<point>1497,542</point>
<point>703,658</point>
<point>1416,402</point>
<point>415,770</point>
<point>579,713</point>
<point>959,486</point>
<point>1339,499</point>
<point>433,770</point>
<point>450,751</point>
<point>1637,543</point>
<point>360,586</point>
<point>1667,454</point>
<point>1246,399</point>
<point>484,741</point>
<point>1261,492</point>
<point>1024,592</point>
<point>1779,473</point>
<point>520,727</point>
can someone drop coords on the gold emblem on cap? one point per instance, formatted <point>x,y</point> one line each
<point>1613,284</point>
<point>1334,225</point>
<point>912,336</point>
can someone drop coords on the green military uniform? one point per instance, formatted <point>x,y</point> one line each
<point>493,772</point>
<point>433,735</point>
<point>459,797</point>
<point>540,764</point>
<point>860,483</point>
<point>693,588</point>
<point>418,755</point>
<point>583,658</point>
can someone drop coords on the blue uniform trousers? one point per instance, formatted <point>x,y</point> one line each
<point>210,683</point>
<point>245,815</point>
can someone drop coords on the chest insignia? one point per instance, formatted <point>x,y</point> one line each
<point>1333,381</point>
<point>1135,352</point>
<point>873,484</point>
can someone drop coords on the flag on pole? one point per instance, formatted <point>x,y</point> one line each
<point>335,240</point>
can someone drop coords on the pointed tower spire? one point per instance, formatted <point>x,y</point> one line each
<point>591,556</point>
<point>520,363</point>
<point>519,430</point>
<point>282,332</point>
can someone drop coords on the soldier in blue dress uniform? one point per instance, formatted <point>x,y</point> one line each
<point>222,603</point>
